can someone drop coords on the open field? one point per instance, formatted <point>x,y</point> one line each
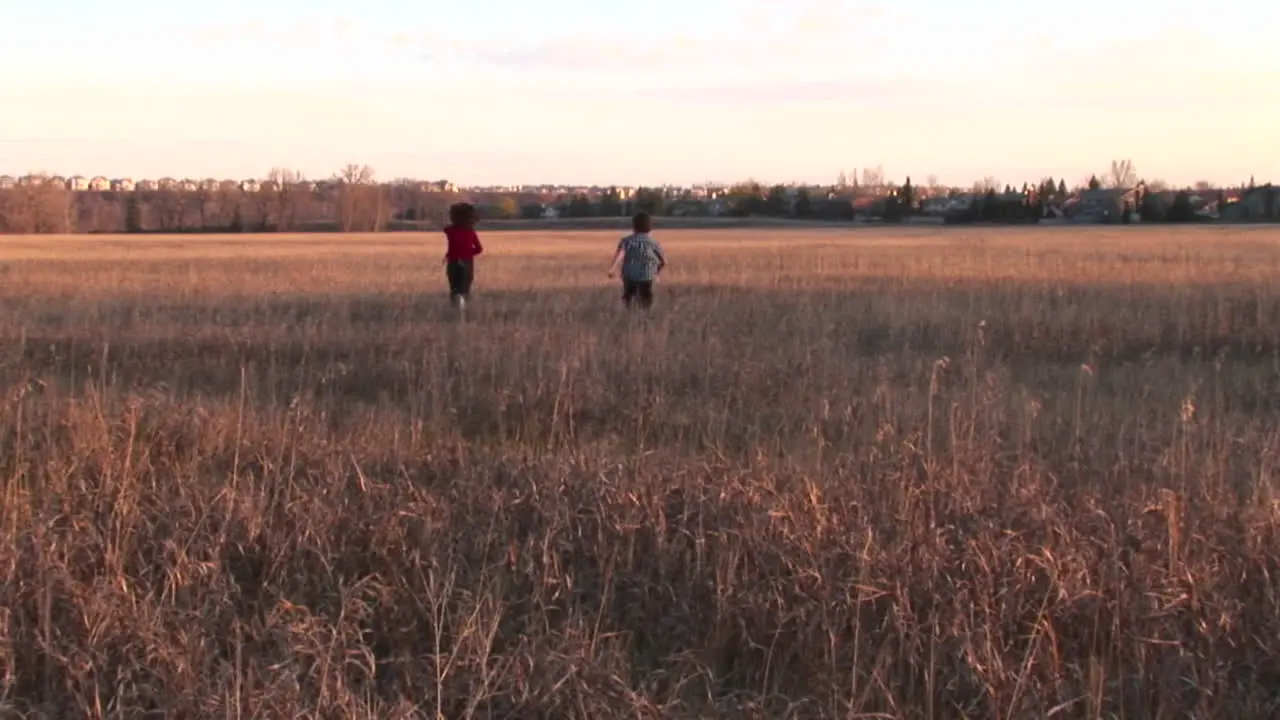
<point>984,473</point>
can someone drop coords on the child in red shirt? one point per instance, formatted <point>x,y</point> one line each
<point>463,247</point>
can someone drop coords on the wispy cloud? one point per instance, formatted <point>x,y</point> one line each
<point>256,30</point>
<point>219,33</point>
<point>810,32</point>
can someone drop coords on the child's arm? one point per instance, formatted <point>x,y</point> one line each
<point>617,256</point>
<point>662,259</point>
<point>475,241</point>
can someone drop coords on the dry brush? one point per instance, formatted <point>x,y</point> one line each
<point>988,474</point>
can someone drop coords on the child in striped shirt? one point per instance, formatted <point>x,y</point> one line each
<point>642,261</point>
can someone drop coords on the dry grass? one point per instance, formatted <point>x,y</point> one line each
<point>985,474</point>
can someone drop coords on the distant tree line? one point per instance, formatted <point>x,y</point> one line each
<point>350,201</point>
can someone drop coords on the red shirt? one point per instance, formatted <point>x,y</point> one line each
<point>464,244</point>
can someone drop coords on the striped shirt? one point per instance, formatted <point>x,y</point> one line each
<point>641,257</point>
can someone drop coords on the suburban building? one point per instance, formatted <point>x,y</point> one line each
<point>123,185</point>
<point>1101,205</point>
<point>99,184</point>
<point>1262,203</point>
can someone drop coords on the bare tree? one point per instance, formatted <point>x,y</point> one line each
<point>170,207</point>
<point>1157,185</point>
<point>15,215</point>
<point>292,193</point>
<point>381,208</point>
<point>205,199</point>
<point>986,184</point>
<point>226,208</point>
<point>46,207</point>
<point>873,177</point>
<point>362,204</point>
<point>1122,174</point>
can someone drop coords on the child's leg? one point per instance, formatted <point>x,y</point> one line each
<point>468,276</point>
<point>628,292</point>
<point>454,272</point>
<point>645,291</point>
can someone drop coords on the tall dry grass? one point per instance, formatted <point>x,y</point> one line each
<point>984,474</point>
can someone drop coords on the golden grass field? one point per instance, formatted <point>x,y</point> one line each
<point>978,473</point>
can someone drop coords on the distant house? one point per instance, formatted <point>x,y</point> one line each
<point>168,183</point>
<point>78,183</point>
<point>1101,205</point>
<point>870,206</point>
<point>188,185</point>
<point>123,185</point>
<point>99,184</point>
<point>1262,203</point>
<point>943,205</point>
<point>56,181</point>
<point>268,186</point>
<point>7,182</point>
<point>1160,203</point>
<point>689,208</point>
<point>209,185</point>
<point>250,186</point>
<point>228,185</point>
<point>147,185</point>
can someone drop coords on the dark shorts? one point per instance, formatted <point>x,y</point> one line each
<point>460,275</point>
<point>632,289</point>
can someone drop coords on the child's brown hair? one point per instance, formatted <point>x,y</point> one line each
<point>641,222</point>
<point>462,214</point>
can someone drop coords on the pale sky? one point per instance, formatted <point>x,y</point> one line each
<point>681,91</point>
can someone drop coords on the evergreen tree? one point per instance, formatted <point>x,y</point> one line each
<point>611,203</point>
<point>133,214</point>
<point>1094,183</point>
<point>804,204</point>
<point>776,202</point>
<point>580,206</point>
<point>1181,210</point>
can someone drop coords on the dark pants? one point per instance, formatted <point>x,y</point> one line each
<point>633,289</point>
<point>460,274</point>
